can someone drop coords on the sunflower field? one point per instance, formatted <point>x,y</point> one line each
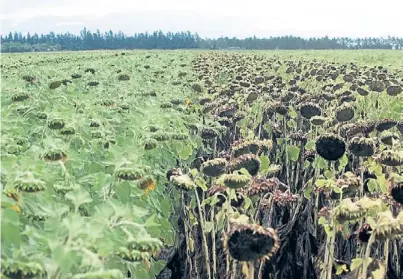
<point>202,164</point>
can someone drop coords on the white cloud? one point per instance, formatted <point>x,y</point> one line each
<point>253,17</point>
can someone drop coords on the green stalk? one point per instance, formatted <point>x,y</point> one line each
<point>367,255</point>
<point>204,239</point>
<point>213,248</point>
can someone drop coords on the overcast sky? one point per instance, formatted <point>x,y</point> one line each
<point>209,18</point>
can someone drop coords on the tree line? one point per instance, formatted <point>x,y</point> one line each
<point>87,40</point>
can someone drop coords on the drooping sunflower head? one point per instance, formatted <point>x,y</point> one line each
<point>396,192</point>
<point>348,211</point>
<point>251,242</point>
<point>28,183</point>
<point>250,162</point>
<point>309,110</point>
<point>388,138</point>
<point>150,143</point>
<point>19,97</point>
<point>131,255</point>
<point>330,147</point>
<point>56,123</point>
<point>68,131</point>
<point>54,154</point>
<point>146,244</point>
<point>214,167</point>
<point>390,158</point>
<point>161,136</point>
<point>208,133</point>
<point>362,147</point>
<point>235,180</point>
<point>345,112</point>
<point>182,182</point>
<point>22,268</point>
<point>129,172</point>
<point>318,120</point>
<point>385,124</point>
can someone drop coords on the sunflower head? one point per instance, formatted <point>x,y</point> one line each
<point>330,147</point>
<point>26,182</point>
<point>19,97</point>
<point>385,124</point>
<point>22,268</point>
<point>348,211</point>
<point>362,147</point>
<point>150,143</point>
<point>146,244</point>
<point>56,123</point>
<point>54,154</point>
<point>182,182</point>
<point>129,172</point>
<point>208,133</point>
<point>251,242</point>
<point>309,110</point>
<point>396,192</point>
<point>131,255</point>
<point>67,131</point>
<point>390,158</point>
<point>345,112</point>
<point>214,167</point>
<point>250,162</point>
<point>388,138</point>
<point>235,180</point>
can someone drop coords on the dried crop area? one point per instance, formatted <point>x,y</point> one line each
<point>152,164</point>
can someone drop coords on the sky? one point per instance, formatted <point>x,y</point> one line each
<point>209,18</point>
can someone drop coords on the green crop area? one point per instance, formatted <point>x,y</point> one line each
<point>202,164</point>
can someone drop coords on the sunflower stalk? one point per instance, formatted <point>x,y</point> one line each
<point>204,239</point>
<point>365,264</point>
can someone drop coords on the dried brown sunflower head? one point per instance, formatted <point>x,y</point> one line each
<point>362,147</point>
<point>247,243</point>
<point>388,138</point>
<point>396,191</point>
<point>385,124</point>
<point>318,120</point>
<point>348,211</point>
<point>393,90</point>
<point>250,162</point>
<point>214,167</point>
<point>390,158</point>
<point>330,147</point>
<point>345,113</point>
<point>309,110</point>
